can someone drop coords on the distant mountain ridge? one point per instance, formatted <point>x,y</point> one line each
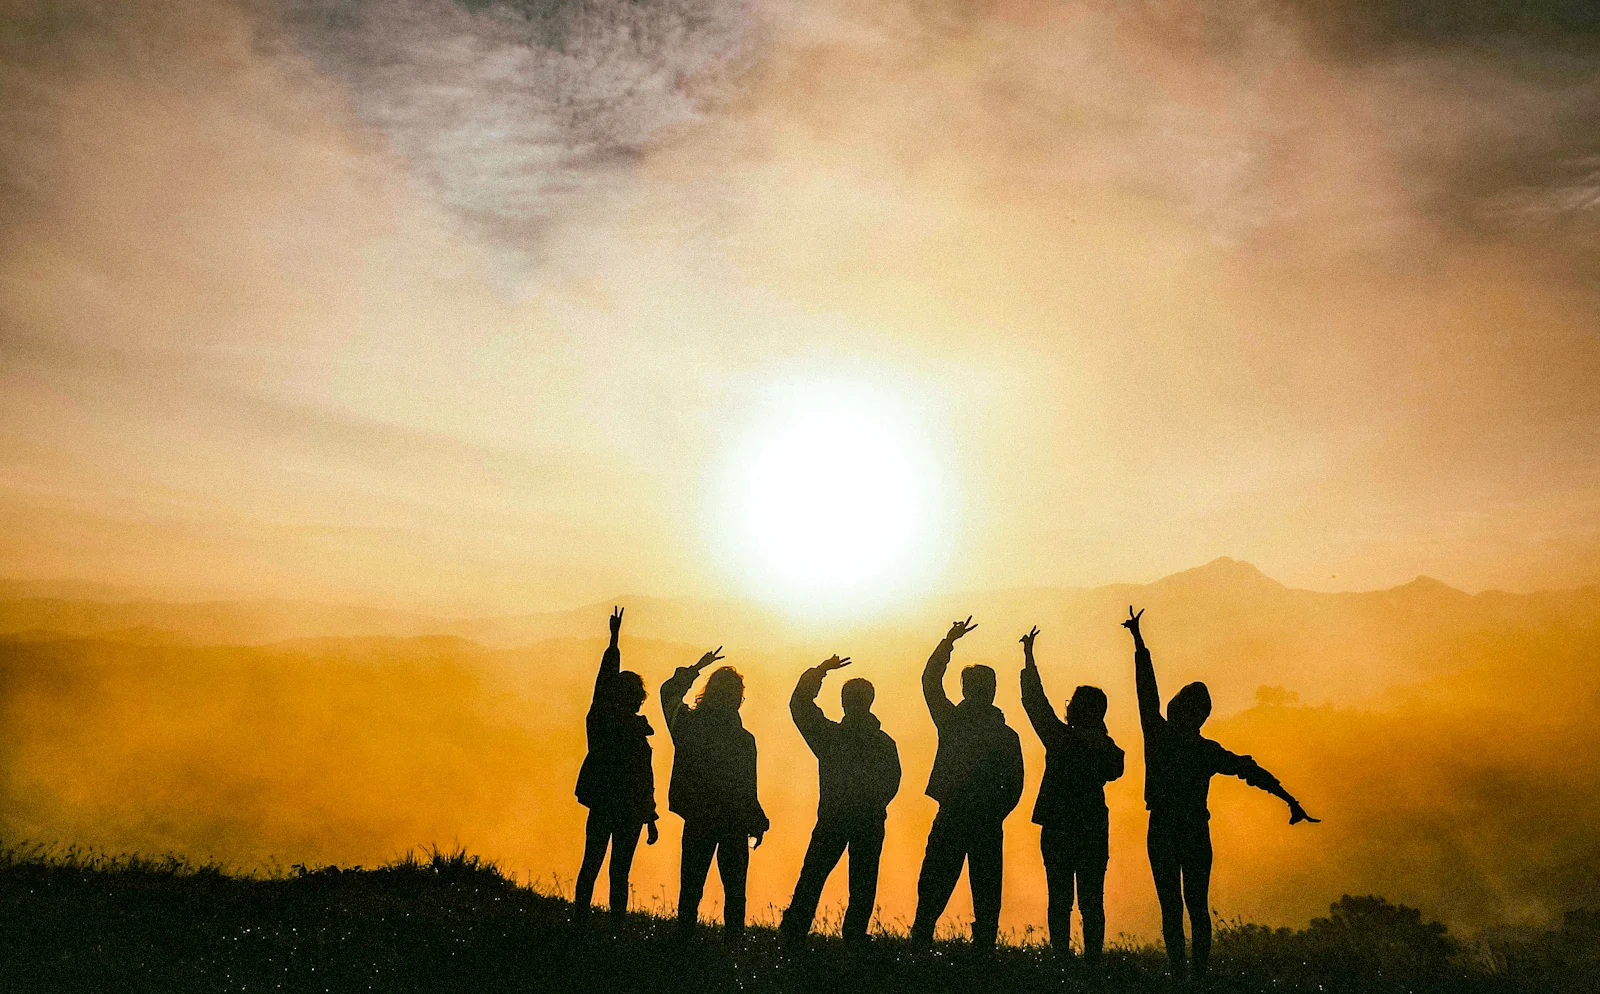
<point>1224,621</point>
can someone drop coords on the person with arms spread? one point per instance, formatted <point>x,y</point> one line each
<point>1179,763</point>
<point>858,774</point>
<point>1074,834</point>
<point>616,782</point>
<point>713,788</point>
<point>977,780</point>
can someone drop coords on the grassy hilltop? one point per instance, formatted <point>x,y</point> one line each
<point>451,922</point>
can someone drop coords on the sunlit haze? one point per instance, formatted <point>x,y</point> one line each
<point>833,496</point>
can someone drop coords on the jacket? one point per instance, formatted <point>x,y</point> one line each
<point>616,776</point>
<point>977,770</point>
<point>858,765</point>
<point>714,763</point>
<point>1078,763</point>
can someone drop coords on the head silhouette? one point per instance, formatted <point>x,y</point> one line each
<point>1189,707</point>
<point>628,691</point>
<point>977,684</point>
<point>1087,709</point>
<point>724,690</point>
<point>857,696</point>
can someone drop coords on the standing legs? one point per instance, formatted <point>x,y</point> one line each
<point>1197,895</point>
<point>941,868</point>
<point>1092,903</point>
<point>624,841</point>
<point>733,866</point>
<point>822,855</point>
<point>699,846</point>
<point>1167,868</point>
<point>866,850</point>
<point>986,874</point>
<point>1055,847</point>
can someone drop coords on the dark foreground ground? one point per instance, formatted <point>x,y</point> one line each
<point>452,923</point>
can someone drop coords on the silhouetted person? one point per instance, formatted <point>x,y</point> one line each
<point>858,773</point>
<point>1074,834</point>
<point>713,788</point>
<point>977,780</point>
<point>616,782</point>
<point>1179,763</point>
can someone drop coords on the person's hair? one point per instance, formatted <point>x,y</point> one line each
<point>1087,709</point>
<point>857,693</point>
<point>629,685</point>
<point>724,688</point>
<point>978,684</point>
<point>1190,707</point>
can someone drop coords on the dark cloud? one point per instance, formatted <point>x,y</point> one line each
<point>511,111</point>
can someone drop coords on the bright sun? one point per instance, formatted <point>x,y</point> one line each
<point>834,496</point>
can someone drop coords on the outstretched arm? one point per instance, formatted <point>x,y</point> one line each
<point>1252,773</point>
<point>803,702</point>
<point>1144,674</point>
<point>939,705</point>
<point>610,662</point>
<point>675,687</point>
<point>1045,724</point>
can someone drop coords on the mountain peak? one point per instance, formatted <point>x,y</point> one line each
<point>1224,569</point>
<point>1428,585</point>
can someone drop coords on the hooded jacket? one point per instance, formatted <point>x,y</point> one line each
<point>714,762</point>
<point>1078,763</point>
<point>977,770</point>
<point>616,776</point>
<point>858,765</point>
<point>1179,764</point>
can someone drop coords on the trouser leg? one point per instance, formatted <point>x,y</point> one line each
<point>698,848</point>
<point>624,841</point>
<point>1197,893</point>
<point>822,855</point>
<point>986,873</point>
<point>941,868</point>
<point>596,836</point>
<point>1091,877</point>
<point>733,865</point>
<point>1166,868</point>
<point>866,851</point>
<point>1053,846</point>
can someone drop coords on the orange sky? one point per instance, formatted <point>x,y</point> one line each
<point>473,308</point>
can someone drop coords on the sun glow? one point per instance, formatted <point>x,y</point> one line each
<point>834,496</point>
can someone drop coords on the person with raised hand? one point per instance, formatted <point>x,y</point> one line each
<point>713,788</point>
<point>1179,763</point>
<point>858,774</point>
<point>1074,824</point>
<point>977,780</point>
<point>616,782</point>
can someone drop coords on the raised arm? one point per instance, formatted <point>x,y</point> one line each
<point>1046,724</point>
<point>675,687</point>
<point>1251,772</point>
<point>813,724</point>
<point>939,705</point>
<point>1144,674</point>
<point>610,664</point>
